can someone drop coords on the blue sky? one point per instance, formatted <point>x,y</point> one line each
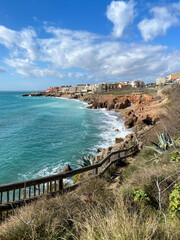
<point>55,42</point>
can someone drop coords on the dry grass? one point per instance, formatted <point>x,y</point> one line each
<point>120,223</point>
<point>55,218</point>
<point>96,212</point>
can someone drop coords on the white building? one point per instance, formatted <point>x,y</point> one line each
<point>137,84</point>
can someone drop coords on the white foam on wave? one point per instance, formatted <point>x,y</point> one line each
<point>108,121</point>
<point>111,121</point>
<point>46,171</point>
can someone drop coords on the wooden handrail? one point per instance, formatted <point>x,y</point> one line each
<point>54,183</point>
<point>54,177</point>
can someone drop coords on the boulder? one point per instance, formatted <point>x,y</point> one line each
<point>129,137</point>
<point>98,150</point>
<point>106,151</point>
<point>116,130</point>
<point>119,140</point>
<point>130,122</point>
<point>66,169</point>
<point>97,158</point>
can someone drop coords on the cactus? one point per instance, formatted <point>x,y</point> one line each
<point>86,160</point>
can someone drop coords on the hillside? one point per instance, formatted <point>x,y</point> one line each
<point>137,200</point>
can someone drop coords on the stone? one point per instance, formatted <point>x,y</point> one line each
<point>130,122</point>
<point>98,158</point>
<point>119,140</point>
<point>98,150</point>
<point>117,130</point>
<point>66,169</point>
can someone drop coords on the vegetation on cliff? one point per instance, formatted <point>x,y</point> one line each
<point>143,202</point>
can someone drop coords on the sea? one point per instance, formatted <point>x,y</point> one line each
<point>39,136</point>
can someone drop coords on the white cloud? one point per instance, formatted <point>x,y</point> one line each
<point>163,19</point>
<point>98,57</point>
<point>27,68</point>
<point>19,42</point>
<point>121,13</point>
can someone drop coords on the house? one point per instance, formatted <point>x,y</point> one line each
<point>172,77</point>
<point>137,84</point>
<point>121,85</point>
<point>161,80</point>
<point>83,88</point>
<point>126,83</point>
<point>53,89</point>
<point>65,89</point>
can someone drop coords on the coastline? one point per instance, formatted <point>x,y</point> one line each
<point>142,113</point>
<point>118,130</point>
<point>119,140</point>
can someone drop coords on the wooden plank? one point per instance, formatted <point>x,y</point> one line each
<point>47,187</point>
<point>96,171</point>
<point>60,184</point>
<point>43,188</point>
<point>7,196</point>
<point>20,194</point>
<point>29,191</point>
<point>24,191</point>
<point>14,195</point>
<point>34,190</point>
<point>1,197</point>
<point>55,186</point>
<point>50,186</point>
<point>39,189</point>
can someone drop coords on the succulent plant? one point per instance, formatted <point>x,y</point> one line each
<point>165,142</point>
<point>86,160</point>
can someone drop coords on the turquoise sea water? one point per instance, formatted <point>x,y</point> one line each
<point>39,136</point>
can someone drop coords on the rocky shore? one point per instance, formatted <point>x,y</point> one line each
<point>141,112</point>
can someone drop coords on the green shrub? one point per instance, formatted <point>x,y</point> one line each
<point>174,198</point>
<point>76,177</point>
<point>175,156</point>
<point>141,195</point>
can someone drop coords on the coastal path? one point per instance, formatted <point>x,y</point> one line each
<point>17,194</point>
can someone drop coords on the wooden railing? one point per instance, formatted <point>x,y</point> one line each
<point>14,195</point>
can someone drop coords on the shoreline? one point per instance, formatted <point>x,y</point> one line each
<point>118,114</point>
<point>140,113</point>
<point>111,113</point>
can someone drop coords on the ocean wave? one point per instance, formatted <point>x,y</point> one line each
<point>108,134</point>
<point>45,171</point>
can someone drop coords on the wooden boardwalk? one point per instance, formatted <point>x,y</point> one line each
<point>17,194</point>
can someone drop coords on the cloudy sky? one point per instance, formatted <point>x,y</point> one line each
<point>55,42</point>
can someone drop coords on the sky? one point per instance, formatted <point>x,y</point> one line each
<point>67,42</point>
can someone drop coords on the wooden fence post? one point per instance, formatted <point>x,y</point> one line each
<point>96,171</point>
<point>60,184</point>
<point>24,191</point>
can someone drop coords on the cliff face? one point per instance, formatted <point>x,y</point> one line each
<point>139,107</point>
<point>139,111</point>
<point>147,115</point>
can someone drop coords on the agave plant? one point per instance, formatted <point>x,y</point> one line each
<point>86,160</point>
<point>165,142</point>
